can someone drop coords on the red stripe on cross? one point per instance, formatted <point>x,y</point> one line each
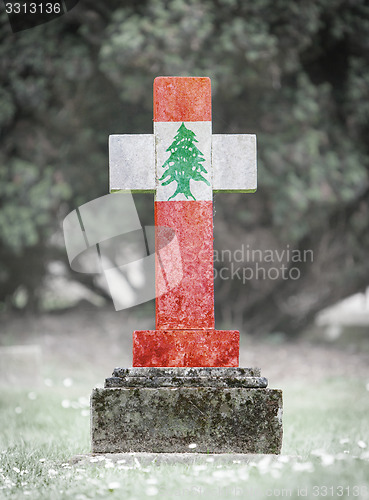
<point>190,305</point>
<point>182,99</point>
<point>185,348</point>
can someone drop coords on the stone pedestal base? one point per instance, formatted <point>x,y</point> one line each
<point>165,410</point>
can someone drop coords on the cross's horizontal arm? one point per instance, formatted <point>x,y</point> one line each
<point>234,163</point>
<point>132,163</point>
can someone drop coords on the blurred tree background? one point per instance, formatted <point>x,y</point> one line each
<point>294,73</point>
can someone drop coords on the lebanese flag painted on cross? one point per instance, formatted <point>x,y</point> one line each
<point>190,163</point>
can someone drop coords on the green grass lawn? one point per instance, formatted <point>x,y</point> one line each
<point>325,451</point>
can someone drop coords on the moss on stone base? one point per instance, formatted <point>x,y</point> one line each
<point>165,419</point>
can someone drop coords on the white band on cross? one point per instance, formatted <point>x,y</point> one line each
<point>133,163</point>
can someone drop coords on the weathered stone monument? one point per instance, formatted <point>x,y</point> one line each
<point>185,391</point>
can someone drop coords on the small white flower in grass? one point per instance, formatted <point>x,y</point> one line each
<point>199,467</point>
<point>24,483</point>
<point>42,460</point>
<point>52,472</point>
<point>109,465</point>
<point>361,444</point>
<point>83,401</point>
<point>344,440</point>
<point>26,492</point>
<point>94,459</point>
<point>341,456</point>
<point>192,446</point>
<point>275,473</point>
<point>284,459</point>
<point>18,410</point>
<point>32,396</point>
<point>210,459</point>
<point>219,473</point>
<point>65,403</point>
<point>303,467</point>
<point>318,453</point>
<point>67,382</point>
<point>114,485</point>
<point>152,491</point>
<point>277,465</point>
<point>243,474</point>
<point>327,460</point>
<point>264,464</point>
<point>15,469</point>
<point>121,461</point>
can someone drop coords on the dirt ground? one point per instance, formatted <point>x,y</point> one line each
<point>88,342</point>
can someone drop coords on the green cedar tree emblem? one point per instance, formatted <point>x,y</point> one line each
<point>184,163</point>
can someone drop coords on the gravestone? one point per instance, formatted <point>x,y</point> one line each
<point>185,391</point>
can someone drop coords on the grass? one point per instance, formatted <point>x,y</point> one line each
<point>325,451</point>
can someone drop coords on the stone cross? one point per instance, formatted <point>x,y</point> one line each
<point>183,163</point>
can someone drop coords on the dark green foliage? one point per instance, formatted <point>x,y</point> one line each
<point>294,73</point>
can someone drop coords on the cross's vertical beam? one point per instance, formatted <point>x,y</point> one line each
<point>185,334</point>
<point>189,306</point>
